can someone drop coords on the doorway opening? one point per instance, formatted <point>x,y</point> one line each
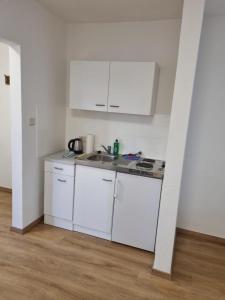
<point>10,136</point>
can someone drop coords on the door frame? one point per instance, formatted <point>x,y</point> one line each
<point>16,131</point>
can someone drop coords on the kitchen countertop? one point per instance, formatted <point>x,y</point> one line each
<point>58,157</point>
<point>119,165</point>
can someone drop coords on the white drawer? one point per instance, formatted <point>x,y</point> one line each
<point>59,168</point>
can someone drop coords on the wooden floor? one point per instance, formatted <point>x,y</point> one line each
<point>50,263</point>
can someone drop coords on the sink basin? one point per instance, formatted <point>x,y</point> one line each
<point>101,157</point>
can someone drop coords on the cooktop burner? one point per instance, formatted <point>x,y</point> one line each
<point>144,165</point>
<point>148,160</point>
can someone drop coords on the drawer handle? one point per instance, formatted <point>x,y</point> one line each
<point>100,105</point>
<point>107,180</point>
<point>60,180</point>
<point>115,106</point>
<point>60,169</point>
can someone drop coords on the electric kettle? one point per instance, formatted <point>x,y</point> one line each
<point>76,145</point>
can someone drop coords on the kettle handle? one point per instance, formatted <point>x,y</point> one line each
<point>71,145</point>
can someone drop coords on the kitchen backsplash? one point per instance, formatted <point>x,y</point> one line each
<point>135,133</point>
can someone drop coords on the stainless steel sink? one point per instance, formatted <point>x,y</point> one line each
<point>102,157</point>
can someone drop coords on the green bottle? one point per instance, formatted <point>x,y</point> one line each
<point>116,148</point>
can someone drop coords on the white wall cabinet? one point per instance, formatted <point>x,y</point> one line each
<point>93,202</point>
<point>119,87</point>
<point>89,83</point>
<point>136,211</point>
<point>58,194</point>
<point>133,87</point>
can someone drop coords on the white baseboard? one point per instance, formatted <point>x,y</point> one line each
<point>61,223</point>
<point>100,234</point>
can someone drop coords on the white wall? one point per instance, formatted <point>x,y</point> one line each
<point>202,206</point>
<point>138,41</point>
<point>5,121</point>
<point>42,40</point>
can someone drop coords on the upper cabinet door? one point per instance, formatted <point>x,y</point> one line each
<point>89,82</point>
<point>133,87</point>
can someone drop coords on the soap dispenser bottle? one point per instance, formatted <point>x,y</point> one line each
<point>116,147</point>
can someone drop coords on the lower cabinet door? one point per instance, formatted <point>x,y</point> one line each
<point>94,197</point>
<point>59,196</point>
<point>136,211</point>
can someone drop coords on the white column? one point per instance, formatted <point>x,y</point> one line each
<point>193,13</point>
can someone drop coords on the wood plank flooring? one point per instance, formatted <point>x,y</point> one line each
<point>49,263</point>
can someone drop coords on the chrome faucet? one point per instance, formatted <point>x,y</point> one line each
<point>107,149</point>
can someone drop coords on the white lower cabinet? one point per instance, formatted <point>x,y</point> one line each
<point>93,201</point>
<point>114,206</point>
<point>136,211</point>
<point>58,195</point>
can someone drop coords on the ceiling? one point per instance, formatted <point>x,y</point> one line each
<point>114,10</point>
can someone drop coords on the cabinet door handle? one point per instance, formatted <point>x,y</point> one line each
<point>60,169</point>
<point>107,180</point>
<point>101,105</point>
<point>60,180</point>
<point>116,189</point>
<point>115,106</point>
